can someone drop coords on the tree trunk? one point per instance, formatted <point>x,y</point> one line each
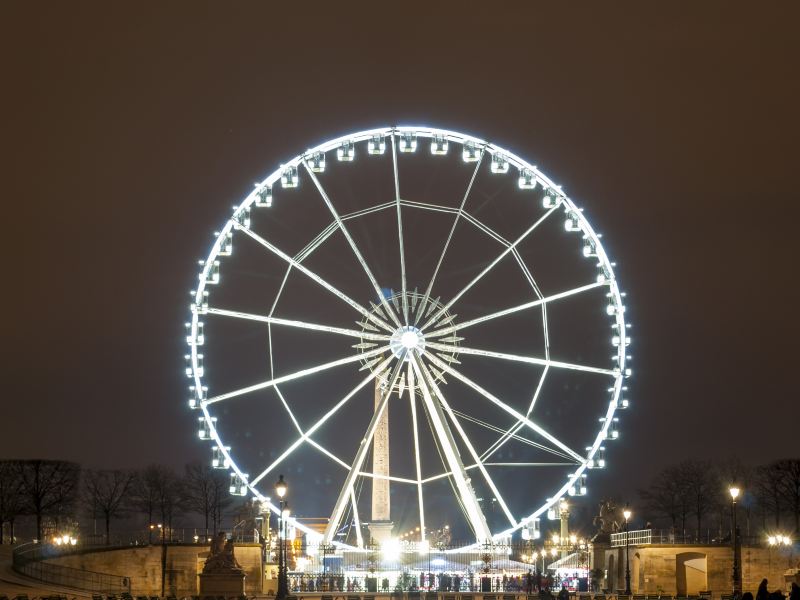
<point>39,526</point>
<point>108,528</point>
<point>2,541</point>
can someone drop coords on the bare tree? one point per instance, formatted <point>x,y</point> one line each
<point>10,497</point>
<point>168,496</point>
<point>107,492</point>
<point>205,493</point>
<point>48,488</point>
<point>769,489</point>
<point>666,497</point>
<point>144,494</point>
<point>701,485</point>
<point>790,486</point>
<point>221,500</point>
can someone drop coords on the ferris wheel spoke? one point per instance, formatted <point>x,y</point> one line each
<point>332,227</point>
<point>296,375</point>
<point>361,454</point>
<point>327,453</point>
<point>400,229</point>
<point>497,464</point>
<point>300,324</point>
<point>514,309</point>
<point>496,401</point>
<point>449,236</point>
<point>517,426</point>
<point>438,393</point>
<point>288,410</point>
<point>369,315</point>
<point>524,359</point>
<point>442,431</point>
<point>352,243</point>
<point>488,268</point>
<point>513,435</point>
<point>364,382</point>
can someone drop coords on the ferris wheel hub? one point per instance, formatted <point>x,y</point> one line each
<point>405,340</point>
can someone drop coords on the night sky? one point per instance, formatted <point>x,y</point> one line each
<point>128,134</point>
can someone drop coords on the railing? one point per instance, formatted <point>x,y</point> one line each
<point>29,560</point>
<point>640,537</point>
<point>637,537</point>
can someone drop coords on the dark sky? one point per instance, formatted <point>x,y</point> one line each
<point>127,134</point>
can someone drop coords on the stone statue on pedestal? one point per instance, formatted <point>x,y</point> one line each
<point>222,574</point>
<point>222,558</point>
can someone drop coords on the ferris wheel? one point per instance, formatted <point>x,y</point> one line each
<point>419,290</point>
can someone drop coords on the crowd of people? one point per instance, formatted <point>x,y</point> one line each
<point>763,593</point>
<point>443,582</point>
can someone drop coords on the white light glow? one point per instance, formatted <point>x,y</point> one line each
<point>409,339</point>
<point>390,549</point>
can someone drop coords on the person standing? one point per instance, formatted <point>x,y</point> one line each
<point>762,593</point>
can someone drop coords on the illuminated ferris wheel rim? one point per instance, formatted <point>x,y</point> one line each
<point>501,156</point>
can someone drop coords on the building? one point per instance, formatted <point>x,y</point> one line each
<point>663,562</point>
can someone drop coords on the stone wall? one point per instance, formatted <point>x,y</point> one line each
<point>689,569</point>
<point>183,565</point>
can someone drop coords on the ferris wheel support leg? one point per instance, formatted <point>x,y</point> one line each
<point>344,494</point>
<point>413,399</point>
<point>356,520</point>
<point>438,393</point>
<point>454,463</point>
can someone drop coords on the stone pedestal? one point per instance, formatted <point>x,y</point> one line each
<point>228,585</point>
<point>381,530</point>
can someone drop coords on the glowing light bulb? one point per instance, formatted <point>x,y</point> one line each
<point>409,339</point>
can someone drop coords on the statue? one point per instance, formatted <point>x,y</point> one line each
<point>221,558</point>
<point>607,521</point>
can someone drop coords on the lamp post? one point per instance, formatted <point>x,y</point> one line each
<point>737,577</point>
<point>163,560</point>
<point>627,514</point>
<point>283,583</point>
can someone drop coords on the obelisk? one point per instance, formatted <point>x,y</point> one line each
<point>380,526</point>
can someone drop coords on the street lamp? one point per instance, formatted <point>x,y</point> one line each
<point>737,580</point>
<point>163,559</point>
<point>283,579</point>
<point>627,514</point>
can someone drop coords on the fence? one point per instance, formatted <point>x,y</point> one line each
<point>640,537</point>
<point>29,560</point>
